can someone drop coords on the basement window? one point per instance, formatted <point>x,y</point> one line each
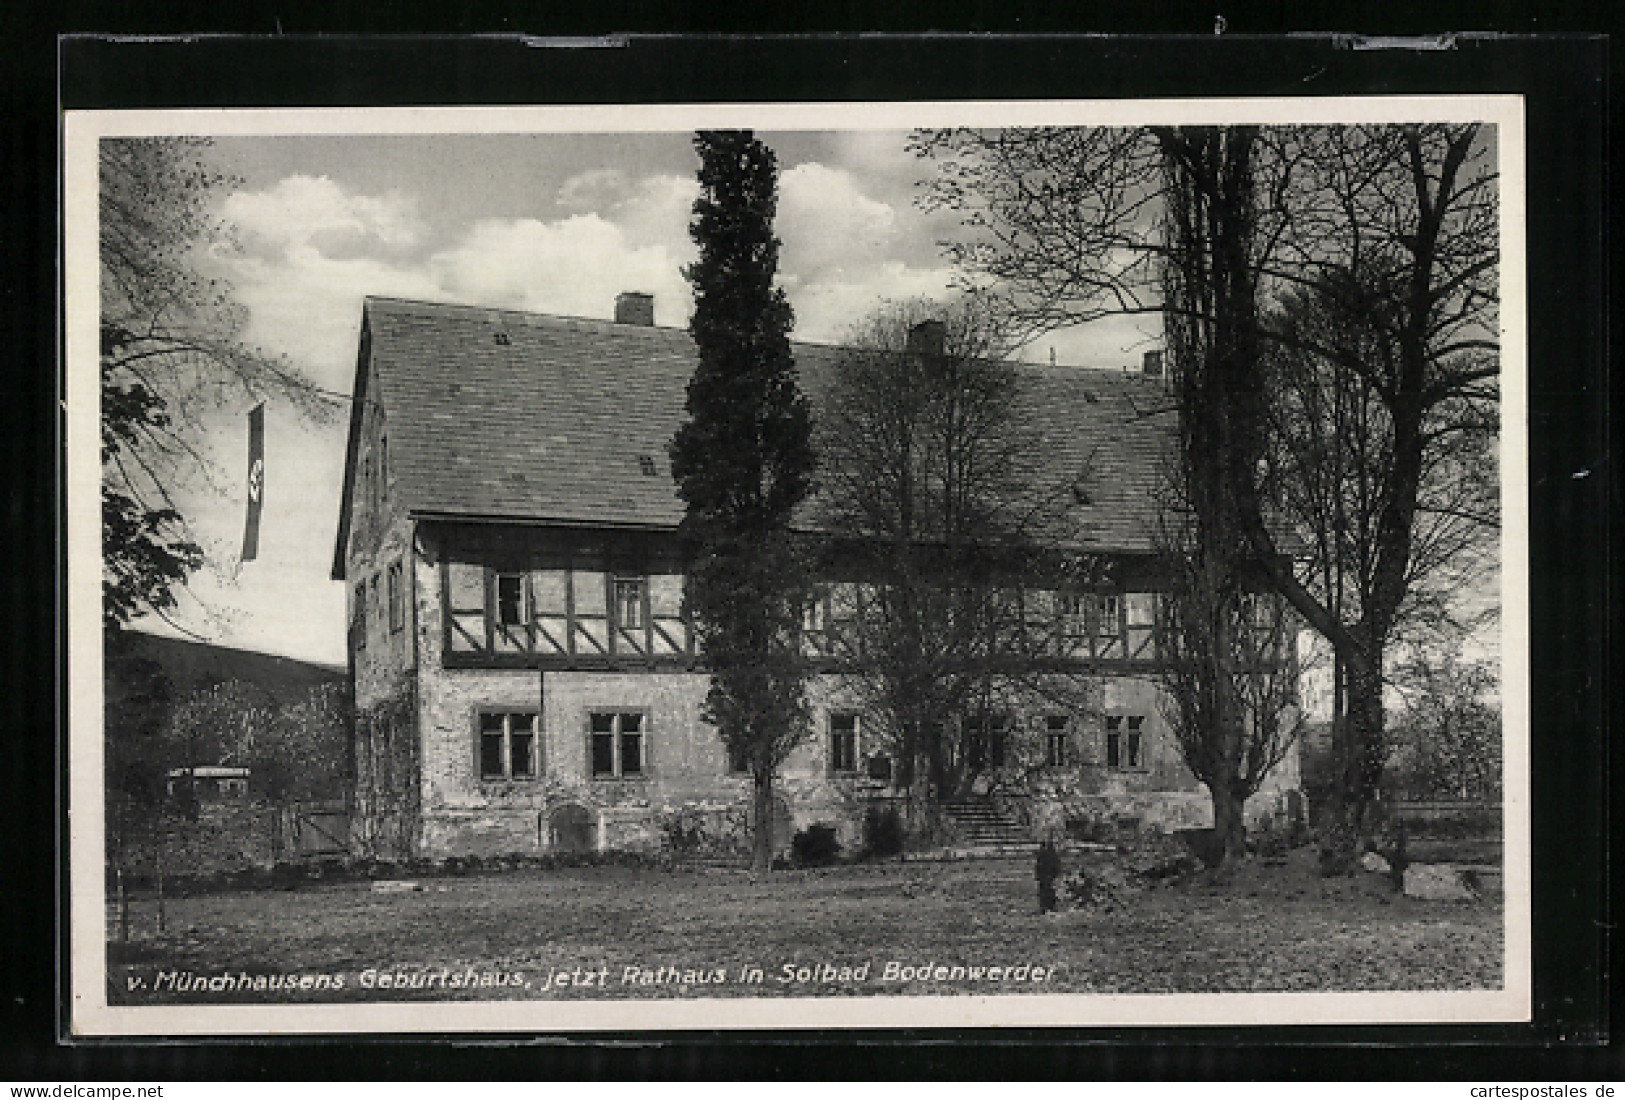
<point>616,745</point>
<point>508,745</point>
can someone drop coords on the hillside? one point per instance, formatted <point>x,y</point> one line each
<point>189,666</point>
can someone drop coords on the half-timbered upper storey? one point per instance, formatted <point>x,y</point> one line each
<point>530,452</point>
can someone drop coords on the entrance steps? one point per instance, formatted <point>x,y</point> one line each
<point>981,824</point>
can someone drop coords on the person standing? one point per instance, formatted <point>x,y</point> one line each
<point>1048,870</point>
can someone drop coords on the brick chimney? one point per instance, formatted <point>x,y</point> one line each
<point>928,338</point>
<point>1153,364</point>
<point>633,308</point>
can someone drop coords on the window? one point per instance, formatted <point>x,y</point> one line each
<point>843,742</point>
<point>1123,748</point>
<point>383,468</point>
<point>397,605</point>
<point>508,746</point>
<point>814,616</point>
<point>1055,754</point>
<point>985,741</point>
<point>510,599</point>
<point>1108,621</point>
<point>617,745</point>
<point>629,603</point>
<point>738,758</point>
<point>359,624</point>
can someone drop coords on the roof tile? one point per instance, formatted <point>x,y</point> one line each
<point>550,425</point>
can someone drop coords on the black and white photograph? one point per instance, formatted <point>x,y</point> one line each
<point>807,565</point>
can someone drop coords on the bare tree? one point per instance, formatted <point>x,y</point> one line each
<point>1071,225</point>
<point>928,480</point>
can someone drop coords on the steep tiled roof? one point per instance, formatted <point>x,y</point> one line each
<point>497,414</point>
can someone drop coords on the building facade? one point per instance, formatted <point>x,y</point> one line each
<point>526,681</point>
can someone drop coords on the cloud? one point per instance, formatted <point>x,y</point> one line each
<point>313,212</point>
<point>828,224</point>
<point>596,190</point>
<point>307,306</point>
<point>575,266</point>
<point>827,309</point>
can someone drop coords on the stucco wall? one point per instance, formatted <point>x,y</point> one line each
<point>685,764</point>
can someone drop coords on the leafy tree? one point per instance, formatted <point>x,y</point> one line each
<point>927,482</point>
<point>1448,743</point>
<point>742,460</point>
<point>304,755</point>
<point>170,351</point>
<point>137,700</point>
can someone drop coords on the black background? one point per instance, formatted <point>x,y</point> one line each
<point>1572,490</point>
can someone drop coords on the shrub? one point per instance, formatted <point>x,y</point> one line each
<point>1204,844</point>
<point>815,846</point>
<point>883,832</point>
<point>1087,827</point>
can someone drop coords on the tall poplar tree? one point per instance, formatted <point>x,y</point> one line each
<point>743,460</point>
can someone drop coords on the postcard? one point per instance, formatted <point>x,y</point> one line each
<point>916,564</point>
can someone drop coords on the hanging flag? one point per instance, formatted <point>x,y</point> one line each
<point>256,481</point>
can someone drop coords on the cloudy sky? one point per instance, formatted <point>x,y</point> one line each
<point>558,223</point>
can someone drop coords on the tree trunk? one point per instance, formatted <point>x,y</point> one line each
<point>1229,831</point>
<point>761,857</point>
<point>1359,757</point>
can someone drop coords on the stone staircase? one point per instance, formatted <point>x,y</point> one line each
<point>981,824</point>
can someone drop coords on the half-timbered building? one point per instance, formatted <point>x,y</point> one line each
<point>525,679</point>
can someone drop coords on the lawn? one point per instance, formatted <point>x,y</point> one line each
<point>620,931</point>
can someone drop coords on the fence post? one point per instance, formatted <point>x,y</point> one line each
<point>160,861</point>
<point>123,909</point>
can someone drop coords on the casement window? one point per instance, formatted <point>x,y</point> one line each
<point>985,740</point>
<point>616,744</point>
<point>629,593</point>
<point>509,747</point>
<point>397,602</point>
<point>1107,615</point>
<point>1124,742</point>
<point>843,742</point>
<point>815,613</point>
<point>1055,750</point>
<point>510,597</point>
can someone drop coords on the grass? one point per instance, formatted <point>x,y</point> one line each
<point>1260,928</point>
